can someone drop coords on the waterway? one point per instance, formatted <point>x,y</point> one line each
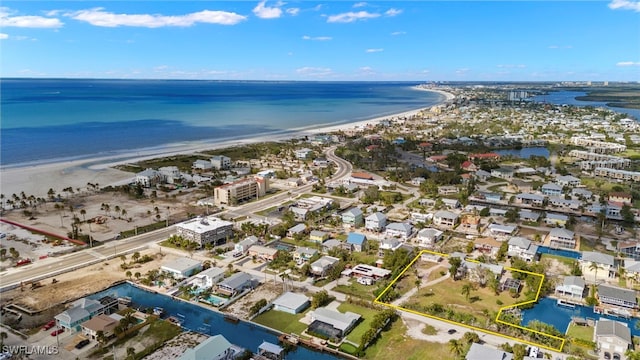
<point>548,311</point>
<point>525,153</point>
<point>569,98</point>
<point>197,318</point>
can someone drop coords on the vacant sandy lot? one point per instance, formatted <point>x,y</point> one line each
<point>267,291</point>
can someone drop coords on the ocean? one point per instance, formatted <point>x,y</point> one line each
<point>48,120</point>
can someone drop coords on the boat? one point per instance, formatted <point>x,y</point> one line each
<point>158,311</point>
<point>174,320</point>
<point>231,318</point>
<point>125,300</point>
<point>566,303</point>
<point>288,339</point>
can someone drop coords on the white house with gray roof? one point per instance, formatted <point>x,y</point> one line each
<point>605,265</point>
<point>181,268</point>
<point>568,180</point>
<point>291,303</point>
<point>343,322</point>
<point>399,230</point>
<point>612,338</point>
<point>216,347</point>
<point>209,277</point>
<point>243,246</point>
<point>321,266</point>
<point>429,236</point>
<point>484,352</point>
<point>375,222</point>
<point>445,219</point>
<point>562,238</point>
<point>617,296</point>
<point>572,286</point>
<point>235,284</point>
<point>522,248</point>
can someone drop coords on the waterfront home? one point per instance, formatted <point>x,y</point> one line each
<point>604,265</point>
<point>556,219</point>
<point>205,230</point>
<point>80,311</point>
<point>401,231</point>
<point>364,270</point>
<point>529,199</point>
<point>630,249</point>
<point>445,219</point>
<point>243,246</point>
<point>202,165</point>
<point>235,284</point>
<point>148,178</point>
<point>528,215</point>
<point>612,338</point>
<point>429,236</point>
<point>208,278</point>
<point>271,351</point>
<point>522,248</point>
<point>375,222</point>
<point>297,229</point>
<point>617,296</point>
<point>321,266</point>
<point>318,236</point>
<point>291,303</point>
<point>216,347</point>
<point>568,180</point>
<point>337,323</point>
<point>170,174</point>
<point>353,217</point>
<point>182,267</point>
<point>551,189</point>
<point>562,238</point>
<point>302,254</point>
<point>573,287</point>
<point>357,242</point>
<point>484,352</point>
<point>102,322</point>
<point>220,162</point>
<point>263,253</point>
<point>561,202</point>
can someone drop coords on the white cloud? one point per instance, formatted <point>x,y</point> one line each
<point>99,17</point>
<point>3,36</point>
<point>628,63</point>
<point>265,12</point>
<point>360,4</point>
<point>29,21</point>
<point>396,33</point>
<point>462,71</point>
<point>313,71</point>
<point>374,50</point>
<point>293,11</point>
<point>393,12</point>
<point>317,38</point>
<point>317,7</point>
<point>367,69</point>
<point>352,16</point>
<point>625,5</point>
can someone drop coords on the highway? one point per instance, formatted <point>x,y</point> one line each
<point>53,266</point>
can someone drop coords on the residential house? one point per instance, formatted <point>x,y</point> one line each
<point>556,219</point>
<point>487,245</point>
<point>469,222</point>
<point>235,284</point>
<point>416,181</point>
<point>357,242</point>
<point>202,165</point>
<point>148,178</point>
<point>182,267</point>
<point>399,230</point>
<point>530,199</point>
<point>331,244</point>
<point>341,323</point>
<point>208,278</point>
<point>80,311</point>
<point>562,238</point>
<point>502,173</point>
<point>617,296</point>
<point>568,180</point>
<point>630,249</point>
<point>216,347</point>
<point>521,185</point>
<point>299,214</point>
<point>484,352</point>
<point>263,253</point>
<point>220,162</point>
<point>303,153</point>
<point>559,201</point>
<point>353,217</point>
<point>604,262</point>
<point>528,215</point>
<point>551,189</point>
<point>104,323</point>
<point>445,219</point>
<point>501,230</point>
<point>468,166</point>
<point>621,197</point>
<point>243,246</point>
<point>497,212</point>
<point>448,190</point>
<point>297,229</point>
<point>376,222</point>
<point>303,254</point>
<point>392,244</point>
<point>581,193</point>
<point>491,196</point>
<point>522,248</point>
<point>612,338</point>
<point>573,287</point>
<point>170,174</point>
<point>450,203</point>
<point>482,175</point>
<point>364,270</point>
<point>291,303</point>
<point>321,266</point>
<point>320,161</point>
<point>429,236</point>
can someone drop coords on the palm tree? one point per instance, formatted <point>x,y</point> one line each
<point>100,337</point>
<point>456,347</point>
<point>137,275</point>
<point>135,256</point>
<point>83,212</point>
<point>594,266</point>
<point>466,291</point>
<point>128,274</point>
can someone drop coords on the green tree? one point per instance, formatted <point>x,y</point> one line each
<point>454,265</point>
<point>457,348</point>
<point>128,274</point>
<point>320,299</point>
<point>466,291</point>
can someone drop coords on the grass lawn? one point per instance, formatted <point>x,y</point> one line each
<point>364,292</point>
<point>560,259</point>
<point>581,332</point>
<point>429,330</point>
<point>393,343</point>
<point>279,320</point>
<point>367,316</point>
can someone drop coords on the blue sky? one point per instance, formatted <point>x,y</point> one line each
<point>331,40</point>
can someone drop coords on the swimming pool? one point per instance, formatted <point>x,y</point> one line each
<point>549,312</point>
<point>215,300</point>
<point>559,252</point>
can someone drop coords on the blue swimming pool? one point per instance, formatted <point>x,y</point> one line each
<point>548,311</point>
<point>198,318</point>
<point>559,252</point>
<point>215,300</point>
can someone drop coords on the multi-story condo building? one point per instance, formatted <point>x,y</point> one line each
<point>241,190</point>
<point>205,230</point>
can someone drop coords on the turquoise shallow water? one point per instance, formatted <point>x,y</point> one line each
<point>49,119</point>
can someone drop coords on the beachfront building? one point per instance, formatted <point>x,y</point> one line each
<point>612,295</point>
<point>352,217</point>
<point>205,230</point>
<point>182,267</point>
<point>220,162</point>
<point>332,323</point>
<point>216,347</point>
<point>235,284</point>
<point>102,322</point>
<point>148,178</point>
<point>291,303</point>
<point>201,165</point>
<point>573,287</point>
<point>562,238</point>
<point>375,222</point>
<point>80,311</point>
<point>604,265</point>
<point>241,190</point>
<point>612,338</point>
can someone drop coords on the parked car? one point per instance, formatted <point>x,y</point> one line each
<point>82,343</point>
<point>57,332</point>
<point>23,262</point>
<point>49,325</point>
<point>451,331</point>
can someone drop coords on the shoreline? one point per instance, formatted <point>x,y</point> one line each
<point>36,179</point>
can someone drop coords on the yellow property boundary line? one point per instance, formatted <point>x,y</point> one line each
<point>497,320</point>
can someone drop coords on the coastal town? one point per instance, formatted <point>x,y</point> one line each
<point>489,226</point>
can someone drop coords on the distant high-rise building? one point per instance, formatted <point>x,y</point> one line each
<point>517,95</point>
<point>606,83</point>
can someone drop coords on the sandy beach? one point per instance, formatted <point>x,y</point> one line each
<point>38,179</point>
